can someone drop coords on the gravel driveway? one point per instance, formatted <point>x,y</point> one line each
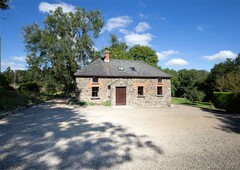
<point>58,136</point>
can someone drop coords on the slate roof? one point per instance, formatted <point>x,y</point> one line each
<point>100,68</point>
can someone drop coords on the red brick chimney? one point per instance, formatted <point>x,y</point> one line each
<point>106,56</point>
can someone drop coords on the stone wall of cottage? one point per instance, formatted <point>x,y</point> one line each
<point>150,98</point>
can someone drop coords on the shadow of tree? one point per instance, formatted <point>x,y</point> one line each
<point>52,136</point>
<point>231,122</point>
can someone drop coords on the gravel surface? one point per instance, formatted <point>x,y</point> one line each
<point>58,136</point>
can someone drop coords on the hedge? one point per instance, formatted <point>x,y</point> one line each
<point>227,100</point>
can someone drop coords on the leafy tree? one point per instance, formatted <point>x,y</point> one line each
<point>224,76</point>
<point>4,4</point>
<point>9,74</point>
<point>144,53</point>
<point>194,94</point>
<point>192,84</point>
<point>117,48</point>
<point>64,45</point>
<point>174,80</point>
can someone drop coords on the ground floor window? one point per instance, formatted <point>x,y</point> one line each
<point>140,91</point>
<point>159,91</point>
<point>95,91</point>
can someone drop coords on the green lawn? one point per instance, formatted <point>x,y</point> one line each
<point>205,105</point>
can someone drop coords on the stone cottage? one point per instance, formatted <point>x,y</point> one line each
<point>123,82</point>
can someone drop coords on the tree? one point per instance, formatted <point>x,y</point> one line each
<point>174,80</point>
<point>64,45</point>
<point>192,84</point>
<point>144,53</point>
<point>117,48</point>
<point>224,76</point>
<point>4,4</point>
<point>9,74</point>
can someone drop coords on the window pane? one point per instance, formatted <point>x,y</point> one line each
<point>95,79</point>
<point>159,91</point>
<point>120,68</point>
<point>140,90</point>
<point>132,69</point>
<point>95,91</point>
<point>159,80</point>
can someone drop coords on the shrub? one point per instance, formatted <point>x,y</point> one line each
<point>194,95</point>
<point>4,83</point>
<point>227,100</point>
<point>31,87</point>
<point>107,103</point>
<point>10,100</point>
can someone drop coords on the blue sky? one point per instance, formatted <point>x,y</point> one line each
<point>187,34</point>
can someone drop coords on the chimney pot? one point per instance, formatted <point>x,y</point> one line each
<point>106,56</point>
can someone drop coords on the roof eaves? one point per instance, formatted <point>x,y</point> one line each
<point>122,76</point>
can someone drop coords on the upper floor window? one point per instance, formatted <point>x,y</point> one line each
<point>95,79</point>
<point>140,90</point>
<point>159,80</point>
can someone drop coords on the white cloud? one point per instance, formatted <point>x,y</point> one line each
<point>176,62</point>
<point>153,16</point>
<point>47,7</point>
<point>13,65</point>
<point>164,54</point>
<point>221,55</point>
<point>142,27</point>
<point>118,22</point>
<point>141,39</point>
<point>18,58</point>
<point>124,31</point>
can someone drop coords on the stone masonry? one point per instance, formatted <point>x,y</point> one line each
<point>107,91</point>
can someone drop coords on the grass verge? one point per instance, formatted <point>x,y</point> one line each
<point>184,101</point>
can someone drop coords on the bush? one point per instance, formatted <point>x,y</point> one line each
<point>107,103</point>
<point>10,100</point>
<point>227,100</point>
<point>4,83</point>
<point>31,87</point>
<point>194,95</point>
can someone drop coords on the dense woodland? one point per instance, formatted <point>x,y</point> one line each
<point>65,44</point>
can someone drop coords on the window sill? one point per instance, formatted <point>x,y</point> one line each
<point>95,98</point>
<point>140,96</point>
<point>159,95</point>
<point>95,83</point>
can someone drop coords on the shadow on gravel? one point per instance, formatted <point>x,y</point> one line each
<point>231,122</point>
<point>48,136</point>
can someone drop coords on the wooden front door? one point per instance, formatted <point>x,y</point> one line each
<point>120,95</point>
